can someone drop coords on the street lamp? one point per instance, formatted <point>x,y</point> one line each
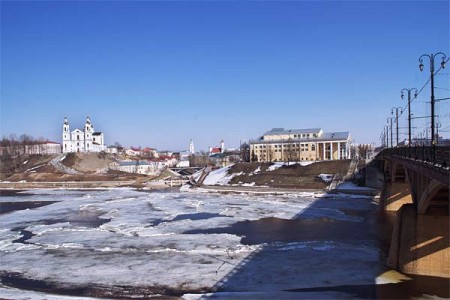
<point>396,119</point>
<point>438,125</point>
<point>386,134</point>
<point>390,118</point>
<point>432,57</point>
<point>409,110</point>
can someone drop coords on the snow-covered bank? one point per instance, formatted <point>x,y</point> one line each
<point>351,186</point>
<point>299,175</point>
<point>223,176</point>
<point>219,176</point>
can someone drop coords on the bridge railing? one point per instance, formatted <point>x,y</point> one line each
<point>439,156</point>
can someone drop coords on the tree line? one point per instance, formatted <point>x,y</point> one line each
<point>13,145</point>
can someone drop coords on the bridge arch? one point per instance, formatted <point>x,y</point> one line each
<point>416,187</point>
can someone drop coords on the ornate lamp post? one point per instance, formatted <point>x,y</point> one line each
<point>396,119</point>
<point>409,110</point>
<point>386,135</point>
<point>432,57</point>
<point>390,119</point>
<point>438,125</point>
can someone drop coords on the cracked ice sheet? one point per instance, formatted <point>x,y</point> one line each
<point>129,250</point>
<point>13,293</point>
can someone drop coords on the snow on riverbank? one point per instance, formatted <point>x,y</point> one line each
<point>222,177</point>
<point>219,176</point>
<point>277,165</point>
<point>351,186</point>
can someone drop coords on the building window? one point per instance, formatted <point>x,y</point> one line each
<point>313,147</point>
<point>78,137</point>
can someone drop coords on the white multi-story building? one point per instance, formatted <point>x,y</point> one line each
<point>86,140</point>
<point>42,147</point>
<point>136,166</point>
<point>280,144</point>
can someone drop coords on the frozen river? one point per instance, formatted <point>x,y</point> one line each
<point>123,243</point>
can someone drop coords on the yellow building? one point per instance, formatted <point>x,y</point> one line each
<point>280,144</point>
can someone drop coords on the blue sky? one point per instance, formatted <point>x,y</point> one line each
<point>153,73</point>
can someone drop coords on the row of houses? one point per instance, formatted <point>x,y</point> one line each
<point>147,167</point>
<point>34,147</point>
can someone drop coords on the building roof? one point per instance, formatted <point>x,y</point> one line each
<point>134,163</point>
<point>275,131</point>
<point>163,158</point>
<point>215,150</point>
<point>159,160</point>
<point>326,136</point>
<point>97,133</point>
<point>48,142</point>
<point>334,136</point>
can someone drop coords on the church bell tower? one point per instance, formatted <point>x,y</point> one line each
<point>66,136</point>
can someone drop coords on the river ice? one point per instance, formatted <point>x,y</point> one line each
<point>124,237</point>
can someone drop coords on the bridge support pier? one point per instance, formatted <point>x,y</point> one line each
<point>395,194</point>
<point>420,242</point>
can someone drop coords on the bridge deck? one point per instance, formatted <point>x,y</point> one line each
<point>424,160</point>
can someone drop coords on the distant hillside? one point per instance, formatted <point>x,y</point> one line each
<point>87,162</point>
<point>30,164</point>
<point>299,175</point>
<point>70,167</point>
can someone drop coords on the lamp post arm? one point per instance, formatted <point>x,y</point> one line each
<point>424,55</point>
<point>439,53</point>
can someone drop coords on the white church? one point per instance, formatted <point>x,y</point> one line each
<point>86,140</point>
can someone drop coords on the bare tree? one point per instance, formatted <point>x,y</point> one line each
<point>254,157</point>
<point>245,152</point>
<point>365,151</point>
<point>290,150</point>
<point>270,153</point>
<point>201,159</point>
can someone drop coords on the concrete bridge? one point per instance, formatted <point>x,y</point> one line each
<point>416,187</point>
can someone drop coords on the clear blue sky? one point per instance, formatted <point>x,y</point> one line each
<point>155,73</point>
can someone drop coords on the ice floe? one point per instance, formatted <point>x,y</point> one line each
<point>124,237</point>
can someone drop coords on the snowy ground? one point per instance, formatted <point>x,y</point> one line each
<point>221,176</point>
<point>176,243</point>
